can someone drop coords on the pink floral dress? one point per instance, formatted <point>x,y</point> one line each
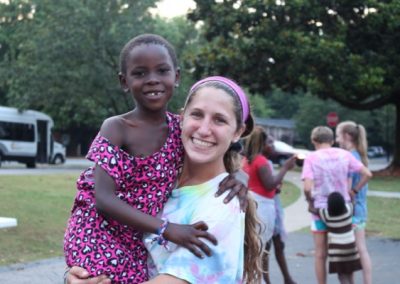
<point>102,245</point>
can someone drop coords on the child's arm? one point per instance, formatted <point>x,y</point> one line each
<point>312,209</point>
<point>236,187</point>
<point>108,204</point>
<point>308,186</point>
<point>271,181</point>
<point>227,224</point>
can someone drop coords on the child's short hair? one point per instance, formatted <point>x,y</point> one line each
<point>322,134</point>
<point>336,204</point>
<point>146,39</point>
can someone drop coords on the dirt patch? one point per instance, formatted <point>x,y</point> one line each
<point>389,171</point>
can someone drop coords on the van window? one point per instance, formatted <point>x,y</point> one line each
<point>17,131</point>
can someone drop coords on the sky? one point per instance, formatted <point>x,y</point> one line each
<point>173,8</point>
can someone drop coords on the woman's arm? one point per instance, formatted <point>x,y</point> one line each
<point>79,275</point>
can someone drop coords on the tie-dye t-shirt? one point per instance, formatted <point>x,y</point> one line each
<point>329,169</point>
<point>188,205</point>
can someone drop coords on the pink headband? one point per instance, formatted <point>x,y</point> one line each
<point>235,87</point>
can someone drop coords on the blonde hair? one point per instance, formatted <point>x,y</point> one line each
<point>322,134</point>
<point>358,137</point>
<point>254,144</point>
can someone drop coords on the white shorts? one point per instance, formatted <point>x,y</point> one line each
<point>267,214</point>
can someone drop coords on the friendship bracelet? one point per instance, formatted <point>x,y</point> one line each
<point>160,239</point>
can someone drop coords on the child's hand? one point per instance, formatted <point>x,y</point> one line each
<point>236,188</point>
<point>79,275</point>
<point>290,163</point>
<point>188,236</point>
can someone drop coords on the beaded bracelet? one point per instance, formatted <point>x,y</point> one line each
<point>160,234</point>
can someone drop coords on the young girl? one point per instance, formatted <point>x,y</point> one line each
<point>263,184</point>
<point>214,117</point>
<point>138,156</point>
<point>279,233</point>
<point>342,251</point>
<point>327,170</point>
<point>352,137</point>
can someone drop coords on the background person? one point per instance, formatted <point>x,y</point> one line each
<point>353,137</point>
<point>279,234</point>
<point>343,255</point>
<point>326,170</point>
<point>263,184</point>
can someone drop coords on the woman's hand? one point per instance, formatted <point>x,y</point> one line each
<point>188,236</point>
<point>79,275</point>
<point>236,187</point>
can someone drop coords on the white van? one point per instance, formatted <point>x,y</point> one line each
<point>26,137</point>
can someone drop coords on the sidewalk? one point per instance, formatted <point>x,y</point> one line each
<point>385,254</point>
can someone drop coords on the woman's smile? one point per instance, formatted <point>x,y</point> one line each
<point>202,143</point>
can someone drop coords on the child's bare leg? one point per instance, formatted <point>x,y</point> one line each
<point>320,244</point>
<point>364,256</point>
<point>346,278</point>
<point>279,248</point>
<point>265,262</point>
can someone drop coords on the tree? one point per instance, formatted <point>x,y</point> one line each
<point>62,58</point>
<point>344,50</point>
<point>312,111</point>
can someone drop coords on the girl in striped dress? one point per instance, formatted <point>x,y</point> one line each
<point>343,255</point>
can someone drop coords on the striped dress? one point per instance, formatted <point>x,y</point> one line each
<point>342,251</point>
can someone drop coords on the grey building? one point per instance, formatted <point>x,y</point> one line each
<point>281,129</point>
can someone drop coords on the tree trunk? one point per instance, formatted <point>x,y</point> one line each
<point>396,152</point>
<point>394,168</point>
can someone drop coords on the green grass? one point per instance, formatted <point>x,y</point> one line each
<point>383,213</point>
<point>391,184</point>
<point>289,194</point>
<point>383,217</point>
<point>41,205</point>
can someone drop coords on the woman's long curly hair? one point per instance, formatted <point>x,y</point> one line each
<point>253,248</point>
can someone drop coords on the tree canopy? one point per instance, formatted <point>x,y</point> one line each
<point>348,51</point>
<point>64,58</point>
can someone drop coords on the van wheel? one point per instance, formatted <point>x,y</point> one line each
<point>58,159</point>
<point>31,164</point>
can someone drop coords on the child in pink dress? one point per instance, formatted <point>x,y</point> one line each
<point>137,157</point>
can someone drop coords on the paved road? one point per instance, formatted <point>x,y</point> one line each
<point>299,247</point>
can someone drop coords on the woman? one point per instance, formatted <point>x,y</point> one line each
<point>216,115</point>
